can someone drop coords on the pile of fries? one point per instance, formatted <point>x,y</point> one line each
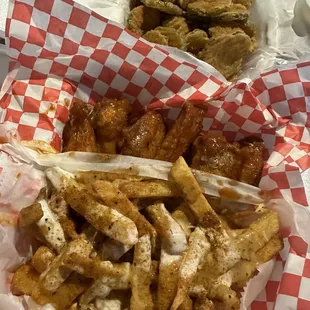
<point>121,241</point>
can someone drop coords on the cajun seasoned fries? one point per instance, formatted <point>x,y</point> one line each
<point>130,247</point>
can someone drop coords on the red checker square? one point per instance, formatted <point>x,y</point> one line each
<point>79,18</point>
<point>298,245</point>
<point>56,142</point>
<point>249,99</point>
<point>7,26</point>
<point>13,116</point>
<point>153,86</point>
<point>271,290</point>
<point>174,83</point>
<point>289,284</point>
<point>112,32</point>
<point>22,12</point>
<point>27,61</point>
<point>5,101</point>
<point>170,63</point>
<point>19,88</point>
<point>306,271</point>
<point>307,125</point>
<point>16,44</point>
<point>297,105</point>
<point>120,50</point>
<point>156,104</point>
<point>294,132</point>
<point>258,87</point>
<point>44,6</point>
<point>281,179</point>
<point>90,40</point>
<point>142,48</point>
<point>303,162</point>
<point>58,69</point>
<point>107,75</point>
<point>113,93</point>
<point>237,119</point>
<point>306,87</point>
<point>127,70</point>
<point>299,196</point>
<point>197,79</point>
<point>303,304</point>
<point>257,117</point>
<point>198,96</point>
<point>26,132</point>
<point>147,65</point>
<point>36,36</point>
<point>79,62</point>
<point>69,47</point>
<point>45,122</point>
<point>46,54</point>
<point>50,94</point>
<point>230,107</point>
<point>56,26</point>
<point>95,97</point>
<point>259,305</point>
<point>37,78</point>
<point>100,17</point>
<point>175,102</point>
<point>289,76</point>
<point>269,72</point>
<point>133,90</point>
<point>70,2</point>
<point>100,56</point>
<point>69,87</point>
<point>185,63</point>
<point>277,94</point>
<point>87,80</point>
<point>62,114</point>
<point>303,64</point>
<point>31,105</point>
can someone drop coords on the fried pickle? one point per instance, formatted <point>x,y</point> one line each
<point>177,23</point>
<point>236,12</point>
<point>182,134</point>
<point>195,41</point>
<point>208,8</point>
<point>142,19</point>
<point>164,6</point>
<point>155,36</point>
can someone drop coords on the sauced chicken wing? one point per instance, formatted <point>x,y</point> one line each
<point>182,133</point>
<point>109,118</point>
<point>78,134</point>
<point>144,138</point>
<point>213,154</point>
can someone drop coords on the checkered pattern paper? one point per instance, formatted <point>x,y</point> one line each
<point>61,51</point>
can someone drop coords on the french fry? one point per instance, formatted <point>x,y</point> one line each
<point>141,298</point>
<point>30,215</point>
<point>112,250</point>
<point>148,189</point>
<point>180,217</point>
<point>42,258</point>
<point>103,218</point>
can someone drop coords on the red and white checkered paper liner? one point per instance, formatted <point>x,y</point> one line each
<point>61,50</point>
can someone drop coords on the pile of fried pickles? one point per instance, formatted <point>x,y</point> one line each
<point>215,31</point>
<point>119,240</point>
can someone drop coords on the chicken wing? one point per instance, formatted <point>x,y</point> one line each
<point>182,133</point>
<point>144,138</point>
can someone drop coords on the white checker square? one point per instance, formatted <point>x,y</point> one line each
<point>162,74</point>
<point>34,91</point>
<point>277,271</point>
<point>54,41</point>
<point>272,80</point>
<point>234,95</point>
<point>39,19</point>
<point>245,110</point>
<point>29,2</point>
<point>270,305</point>
<point>128,38</point>
<point>285,302</point>
<point>62,11</point>
<point>114,62</point>
<point>42,134</point>
<point>74,33</point>
<point>93,68</point>
<point>250,126</point>
<point>106,44</point>
<point>209,88</point>
<point>73,74</point>
<point>307,99</point>
<point>186,91</point>
<point>100,87</point>
<point>83,92</point>
<point>17,103</point>
<point>95,26</point>
<point>54,82</point>
<point>207,123</point>
<point>304,73</point>
<point>165,94</point>
<point>231,127</point>
<point>63,95</point>
<point>304,291</point>
<point>65,60</point>
<point>43,65</point>
<point>130,99</point>
<point>173,113</point>
<point>31,49</point>
<point>222,116</point>
<point>294,90</point>
<point>30,119</point>
<point>119,83</point>
<point>145,97</point>
<point>13,53</point>
<point>282,108</point>
<point>261,296</point>
<point>264,98</point>
<point>21,28</point>
<point>59,126</point>
<point>86,51</point>
<point>134,58</point>
<point>140,78</point>
<point>184,72</point>
<point>45,108</point>
<point>156,56</point>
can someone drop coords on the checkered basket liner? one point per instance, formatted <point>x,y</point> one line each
<point>61,51</point>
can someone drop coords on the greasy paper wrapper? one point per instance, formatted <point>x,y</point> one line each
<point>61,51</point>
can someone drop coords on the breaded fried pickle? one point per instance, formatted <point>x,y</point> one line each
<point>164,6</point>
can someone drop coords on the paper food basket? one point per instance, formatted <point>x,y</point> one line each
<point>61,51</point>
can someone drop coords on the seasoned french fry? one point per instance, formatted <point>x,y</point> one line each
<point>103,218</point>
<point>112,250</point>
<point>141,298</point>
<point>30,215</point>
<point>149,189</point>
<point>42,258</point>
<point>180,217</point>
